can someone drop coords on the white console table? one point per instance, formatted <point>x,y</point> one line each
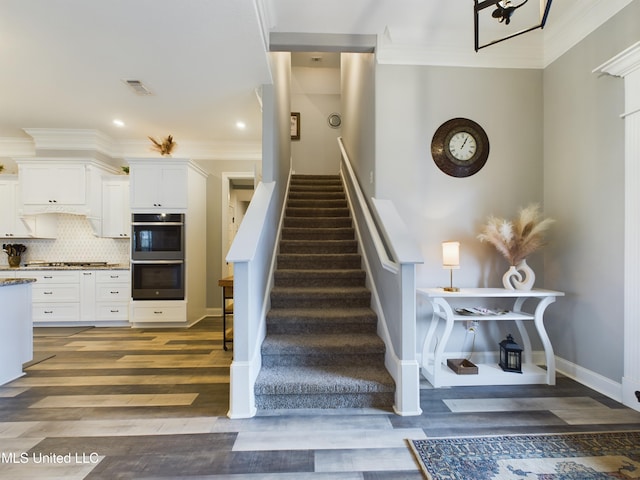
<point>434,366</point>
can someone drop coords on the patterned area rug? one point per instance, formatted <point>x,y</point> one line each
<point>580,456</point>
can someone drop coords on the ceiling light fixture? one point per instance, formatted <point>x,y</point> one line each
<point>505,12</point>
<point>241,125</point>
<point>118,123</point>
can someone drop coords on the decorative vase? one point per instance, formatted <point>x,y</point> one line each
<point>14,261</point>
<point>519,277</point>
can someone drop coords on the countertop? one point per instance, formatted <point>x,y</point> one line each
<point>5,282</point>
<point>61,267</point>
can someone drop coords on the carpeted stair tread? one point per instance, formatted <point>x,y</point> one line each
<point>330,343</point>
<point>317,203</point>
<point>324,379</point>
<point>319,246</point>
<point>317,222</point>
<point>319,278</point>
<point>327,233</point>
<point>332,261</point>
<point>313,212</point>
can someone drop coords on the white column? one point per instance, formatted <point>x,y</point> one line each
<point>627,65</point>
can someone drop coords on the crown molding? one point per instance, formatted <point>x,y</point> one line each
<point>622,64</point>
<point>71,139</point>
<point>234,151</point>
<point>16,147</point>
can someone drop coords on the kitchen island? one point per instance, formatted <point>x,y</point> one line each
<point>16,327</point>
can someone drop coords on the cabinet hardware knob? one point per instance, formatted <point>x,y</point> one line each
<point>157,312</point>
<point>48,311</point>
<point>48,293</point>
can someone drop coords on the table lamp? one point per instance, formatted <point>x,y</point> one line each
<point>451,260</point>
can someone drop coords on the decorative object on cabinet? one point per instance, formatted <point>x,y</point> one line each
<point>516,240</point>
<point>165,147</point>
<point>510,355</point>
<point>460,147</point>
<point>1,168</point>
<point>295,125</point>
<point>451,261</point>
<point>531,17</point>
<point>14,252</point>
<point>125,169</point>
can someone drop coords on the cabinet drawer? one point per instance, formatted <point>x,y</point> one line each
<point>59,312</point>
<point>112,311</point>
<point>165,313</point>
<point>113,276</point>
<point>113,292</point>
<point>55,293</point>
<point>53,276</point>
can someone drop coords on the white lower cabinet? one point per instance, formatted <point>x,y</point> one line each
<point>158,311</point>
<point>87,297</point>
<point>112,295</point>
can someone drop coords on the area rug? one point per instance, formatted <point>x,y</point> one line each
<point>575,456</point>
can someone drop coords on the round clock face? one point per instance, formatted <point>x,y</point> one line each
<point>460,147</point>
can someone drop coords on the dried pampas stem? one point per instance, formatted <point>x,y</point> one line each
<point>517,239</point>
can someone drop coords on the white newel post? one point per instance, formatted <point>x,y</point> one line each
<point>627,65</point>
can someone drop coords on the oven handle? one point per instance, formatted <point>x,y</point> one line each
<point>156,262</point>
<point>157,224</point>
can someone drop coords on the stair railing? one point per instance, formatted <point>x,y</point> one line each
<point>252,254</point>
<point>389,257</point>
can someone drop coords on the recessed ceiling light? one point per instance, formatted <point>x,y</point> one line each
<point>241,125</point>
<point>118,123</point>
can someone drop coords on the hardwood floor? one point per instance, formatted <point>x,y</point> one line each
<point>120,403</point>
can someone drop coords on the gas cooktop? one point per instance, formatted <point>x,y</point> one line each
<point>38,263</point>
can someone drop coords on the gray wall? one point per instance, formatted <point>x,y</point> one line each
<point>358,115</point>
<point>411,102</point>
<point>315,94</point>
<point>584,190</point>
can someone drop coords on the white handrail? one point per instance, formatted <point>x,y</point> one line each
<point>387,263</point>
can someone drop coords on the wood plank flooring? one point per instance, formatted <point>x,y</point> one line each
<point>120,403</point>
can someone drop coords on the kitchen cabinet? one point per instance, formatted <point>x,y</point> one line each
<point>12,225</point>
<point>116,213</point>
<point>85,297</point>
<point>16,329</point>
<point>161,311</point>
<point>158,185</point>
<point>112,295</point>
<point>53,185</point>
<point>55,295</point>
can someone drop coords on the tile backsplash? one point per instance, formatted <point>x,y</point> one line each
<point>75,243</point>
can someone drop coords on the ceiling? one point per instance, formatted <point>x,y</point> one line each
<point>64,63</point>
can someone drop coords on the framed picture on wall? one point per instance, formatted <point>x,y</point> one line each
<point>295,125</point>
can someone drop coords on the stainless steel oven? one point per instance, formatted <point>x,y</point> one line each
<point>157,280</point>
<point>156,236</point>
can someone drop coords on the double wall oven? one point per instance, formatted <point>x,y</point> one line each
<point>157,256</point>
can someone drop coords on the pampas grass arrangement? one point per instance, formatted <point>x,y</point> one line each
<point>517,239</point>
<point>165,147</point>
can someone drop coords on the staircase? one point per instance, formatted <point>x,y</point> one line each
<point>321,349</point>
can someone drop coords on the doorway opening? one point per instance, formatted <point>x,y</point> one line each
<point>237,191</point>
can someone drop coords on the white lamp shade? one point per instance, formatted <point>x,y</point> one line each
<point>450,254</point>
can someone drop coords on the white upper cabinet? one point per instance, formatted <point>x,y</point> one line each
<point>158,185</point>
<point>54,187</point>
<point>116,214</point>
<point>12,225</point>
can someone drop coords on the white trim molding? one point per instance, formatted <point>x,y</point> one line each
<point>627,65</point>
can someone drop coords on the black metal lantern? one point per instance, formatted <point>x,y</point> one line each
<point>510,355</point>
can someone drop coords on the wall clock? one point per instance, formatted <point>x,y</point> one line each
<point>460,147</point>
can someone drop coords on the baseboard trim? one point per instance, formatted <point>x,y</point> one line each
<point>590,379</point>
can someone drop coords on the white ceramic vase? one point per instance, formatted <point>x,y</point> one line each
<point>519,277</point>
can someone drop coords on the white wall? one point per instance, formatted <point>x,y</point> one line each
<point>315,93</point>
<point>411,102</point>
<point>584,190</point>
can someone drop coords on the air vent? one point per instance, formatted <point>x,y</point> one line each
<point>138,87</point>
